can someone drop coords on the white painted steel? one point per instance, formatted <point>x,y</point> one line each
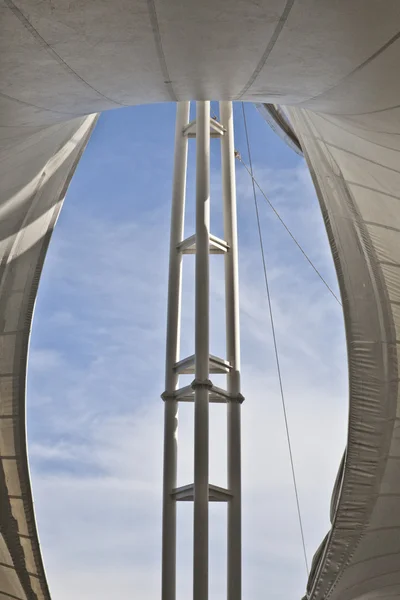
<point>172,355</point>
<point>202,351</point>
<point>232,352</point>
<point>202,391</point>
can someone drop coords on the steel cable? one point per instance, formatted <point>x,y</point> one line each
<point>278,367</point>
<point>254,181</point>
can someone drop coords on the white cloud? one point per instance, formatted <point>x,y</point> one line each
<point>96,443</point>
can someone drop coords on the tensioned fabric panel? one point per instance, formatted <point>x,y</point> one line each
<point>33,182</point>
<point>358,183</point>
<point>336,65</point>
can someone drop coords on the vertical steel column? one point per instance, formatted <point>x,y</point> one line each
<point>172,356</point>
<point>199,363</point>
<point>202,352</point>
<point>233,353</point>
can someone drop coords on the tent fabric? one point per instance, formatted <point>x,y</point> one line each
<point>334,65</point>
<point>278,121</point>
<point>34,177</point>
<point>358,184</point>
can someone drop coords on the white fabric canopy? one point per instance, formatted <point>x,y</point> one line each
<point>335,64</point>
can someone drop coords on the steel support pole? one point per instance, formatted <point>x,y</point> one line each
<point>201,386</point>
<point>233,353</point>
<point>172,356</point>
<point>201,408</point>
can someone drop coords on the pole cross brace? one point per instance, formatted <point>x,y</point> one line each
<point>227,395</point>
<point>187,365</point>
<point>217,246</point>
<point>185,493</point>
<point>216,395</point>
<point>216,129</point>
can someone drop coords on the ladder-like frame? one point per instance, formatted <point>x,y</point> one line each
<point>202,364</point>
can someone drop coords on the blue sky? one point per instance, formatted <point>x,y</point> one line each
<point>96,369</point>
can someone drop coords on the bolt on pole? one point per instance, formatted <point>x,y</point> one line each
<point>202,364</point>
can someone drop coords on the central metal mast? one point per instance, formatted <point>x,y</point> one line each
<point>202,363</point>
